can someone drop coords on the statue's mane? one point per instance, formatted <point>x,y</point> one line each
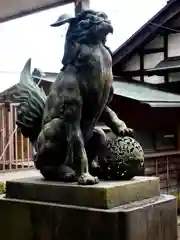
<point>82,30</point>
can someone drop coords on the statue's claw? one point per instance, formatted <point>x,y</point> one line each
<point>66,174</point>
<point>69,177</point>
<point>87,179</point>
<point>125,131</point>
<point>58,173</point>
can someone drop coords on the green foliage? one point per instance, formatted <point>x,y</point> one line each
<point>177,195</point>
<point>2,188</point>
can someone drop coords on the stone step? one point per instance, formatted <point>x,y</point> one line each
<point>150,219</point>
<point>105,195</point>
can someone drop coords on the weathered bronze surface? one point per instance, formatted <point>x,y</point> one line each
<point>121,159</point>
<point>62,125</point>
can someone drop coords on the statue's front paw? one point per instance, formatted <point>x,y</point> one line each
<point>87,179</point>
<point>66,174</point>
<point>125,131</point>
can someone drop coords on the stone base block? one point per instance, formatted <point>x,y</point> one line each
<point>105,195</point>
<point>150,219</point>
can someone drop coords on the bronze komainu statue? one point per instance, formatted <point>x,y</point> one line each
<point>62,125</point>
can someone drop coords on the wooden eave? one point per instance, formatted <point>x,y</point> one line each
<point>151,72</point>
<point>145,94</point>
<point>11,9</point>
<point>146,33</point>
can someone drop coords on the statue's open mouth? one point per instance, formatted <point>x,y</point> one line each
<point>111,30</point>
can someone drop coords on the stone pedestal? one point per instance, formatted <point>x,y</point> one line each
<point>34,209</point>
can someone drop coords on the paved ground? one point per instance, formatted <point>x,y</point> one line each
<point>6,176</point>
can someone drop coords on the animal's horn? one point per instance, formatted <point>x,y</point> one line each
<point>64,18</point>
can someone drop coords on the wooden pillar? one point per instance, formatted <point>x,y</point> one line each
<point>166,77</point>
<point>178,137</point>
<point>142,66</point>
<point>81,5</point>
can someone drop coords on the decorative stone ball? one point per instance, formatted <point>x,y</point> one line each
<point>123,158</point>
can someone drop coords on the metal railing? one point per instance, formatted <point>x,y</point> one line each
<point>15,150</point>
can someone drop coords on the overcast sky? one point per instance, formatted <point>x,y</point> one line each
<point>31,36</point>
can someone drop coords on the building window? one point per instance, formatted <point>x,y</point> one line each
<point>152,141</point>
<point>165,140</point>
<point>145,138</point>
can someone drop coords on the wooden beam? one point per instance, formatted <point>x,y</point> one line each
<point>152,50</point>
<point>150,72</point>
<point>81,5</point>
<point>142,67</point>
<point>178,137</point>
<point>12,9</point>
<point>172,30</point>
<point>165,46</point>
<point>133,73</point>
<point>166,76</point>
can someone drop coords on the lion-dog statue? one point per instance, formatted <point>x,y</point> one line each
<point>62,125</point>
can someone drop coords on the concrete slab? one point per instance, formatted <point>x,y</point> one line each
<point>104,195</point>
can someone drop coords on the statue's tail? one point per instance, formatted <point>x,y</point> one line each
<point>32,101</point>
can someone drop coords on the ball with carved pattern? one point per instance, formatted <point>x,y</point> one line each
<point>122,159</point>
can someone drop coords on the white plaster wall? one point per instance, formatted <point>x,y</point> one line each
<point>173,51</point>
<point>133,64</point>
<point>158,42</point>
<point>150,61</point>
<point>174,45</point>
<point>174,77</point>
<point>154,79</point>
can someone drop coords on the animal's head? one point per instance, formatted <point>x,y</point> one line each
<point>87,27</point>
